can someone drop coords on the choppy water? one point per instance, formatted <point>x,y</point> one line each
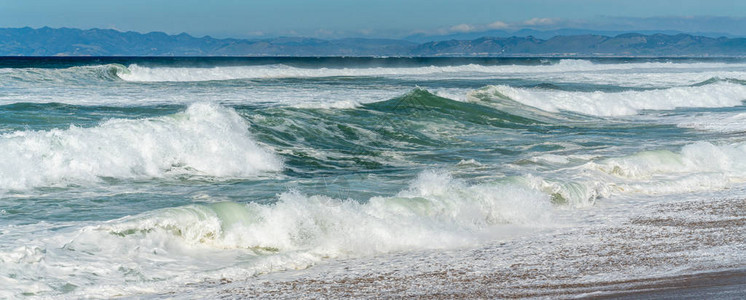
<point>142,176</point>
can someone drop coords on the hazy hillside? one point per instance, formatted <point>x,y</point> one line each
<point>106,42</point>
<point>589,45</point>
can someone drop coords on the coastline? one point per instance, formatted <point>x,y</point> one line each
<point>560,268</point>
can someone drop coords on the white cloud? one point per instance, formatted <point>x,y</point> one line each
<point>539,22</point>
<point>498,25</point>
<point>463,28</point>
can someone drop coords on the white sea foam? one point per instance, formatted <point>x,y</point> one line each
<point>204,140</point>
<point>73,85</point>
<point>155,74</point>
<point>551,159</point>
<point>641,78</point>
<point>621,103</point>
<point>148,74</point>
<point>697,167</point>
<point>341,104</point>
<point>165,250</point>
<point>128,95</point>
<point>718,122</point>
<point>701,166</point>
<point>151,251</point>
<point>700,157</point>
<point>453,94</point>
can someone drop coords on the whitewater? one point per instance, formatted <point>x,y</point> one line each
<point>368,177</point>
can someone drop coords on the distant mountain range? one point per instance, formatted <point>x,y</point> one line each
<point>547,34</point>
<point>107,42</point>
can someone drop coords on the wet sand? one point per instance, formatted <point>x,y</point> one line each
<point>714,285</point>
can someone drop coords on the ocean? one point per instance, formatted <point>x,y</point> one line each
<point>360,177</point>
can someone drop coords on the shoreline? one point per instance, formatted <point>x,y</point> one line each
<point>656,255</point>
<point>709,285</point>
<point>728,284</point>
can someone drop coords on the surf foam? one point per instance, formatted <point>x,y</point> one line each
<point>155,74</point>
<point>697,167</point>
<point>700,157</point>
<point>204,140</point>
<point>701,166</point>
<point>717,122</point>
<point>150,252</point>
<point>605,104</point>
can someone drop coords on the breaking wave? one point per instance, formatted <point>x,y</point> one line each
<point>720,94</point>
<point>234,240</point>
<point>140,73</point>
<point>80,74</point>
<point>204,140</point>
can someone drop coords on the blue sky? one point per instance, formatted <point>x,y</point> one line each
<point>367,18</point>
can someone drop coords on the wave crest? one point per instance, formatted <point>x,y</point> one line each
<point>720,94</point>
<point>436,211</point>
<point>204,140</point>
